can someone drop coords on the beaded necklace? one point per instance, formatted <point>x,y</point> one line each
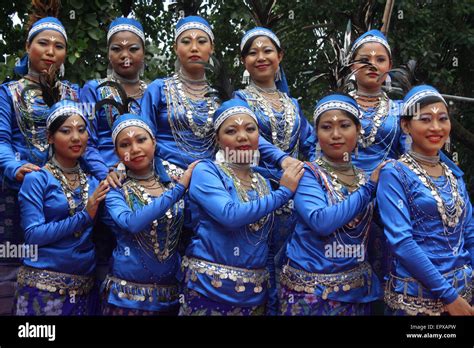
<point>58,173</point>
<point>161,248</point>
<point>191,123</point>
<point>281,130</point>
<point>450,214</point>
<point>381,112</point>
<point>335,192</point>
<point>259,186</point>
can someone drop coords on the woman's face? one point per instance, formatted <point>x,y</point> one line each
<point>126,54</point>
<point>337,135</point>
<point>371,78</point>
<point>136,149</point>
<point>429,129</point>
<point>70,140</point>
<point>46,49</point>
<point>238,137</point>
<point>193,46</point>
<point>262,60</point>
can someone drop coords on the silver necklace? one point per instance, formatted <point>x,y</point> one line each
<point>71,170</point>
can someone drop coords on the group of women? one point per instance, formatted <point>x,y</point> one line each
<point>268,234</point>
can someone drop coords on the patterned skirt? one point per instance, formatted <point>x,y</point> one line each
<point>198,305</point>
<point>112,310</point>
<point>294,303</point>
<point>34,302</point>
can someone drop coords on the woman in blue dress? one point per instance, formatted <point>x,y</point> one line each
<point>23,113</point>
<point>146,216</point>
<point>280,119</point>
<point>126,52</point>
<point>327,272</point>
<point>126,49</point>
<point>381,138</point>
<point>425,208</point>
<point>228,263</point>
<point>180,108</point>
<point>58,205</point>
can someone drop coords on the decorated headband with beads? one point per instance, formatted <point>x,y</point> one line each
<point>336,102</point>
<point>63,108</point>
<point>129,120</point>
<point>47,23</point>
<point>371,36</point>
<point>126,24</point>
<point>418,94</point>
<point>230,108</point>
<point>193,22</point>
<point>259,31</point>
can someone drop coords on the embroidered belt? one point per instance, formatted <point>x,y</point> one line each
<point>414,305</point>
<point>141,292</point>
<point>51,281</point>
<point>218,272</point>
<point>302,281</point>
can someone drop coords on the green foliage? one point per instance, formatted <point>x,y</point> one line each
<point>440,32</point>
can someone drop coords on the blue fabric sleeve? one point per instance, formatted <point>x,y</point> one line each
<point>208,189</point>
<point>270,153</point>
<point>8,162</point>
<point>312,206</point>
<point>150,103</point>
<point>92,156</point>
<point>138,220</point>
<point>394,212</point>
<point>37,231</point>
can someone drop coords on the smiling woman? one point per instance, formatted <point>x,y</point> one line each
<point>58,206</point>
<point>24,107</point>
<point>427,215</point>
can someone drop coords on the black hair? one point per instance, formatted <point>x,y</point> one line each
<point>246,49</point>
<point>58,122</point>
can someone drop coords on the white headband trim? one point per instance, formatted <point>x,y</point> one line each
<point>126,27</point>
<point>130,123</point>
<point>193,25</point>
<point>231,112</point>
<point>46,25</point>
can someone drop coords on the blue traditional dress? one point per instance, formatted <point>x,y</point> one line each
<point>327,272</point>
<point>228,263</point>
<point>381,140</point>
<point>22,140</point>
<point>100,150</point>
<point>287,129</point>
<point>60,281</point>
<point>429,226</point>
<point>144,276</point>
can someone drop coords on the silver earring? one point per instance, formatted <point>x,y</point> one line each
<point>62,70</point>
<point>388,83</point>
<point>121,169</point>
<point>318,150</point>
<point>356,151</point>
<point>447,145</point>
<point>256,158</point>
<point>246,77</point>
<point>110,70</point>
<point>142,70</point>
<point>220,156</point>
<point>278,74</point>
<point>408,141</point>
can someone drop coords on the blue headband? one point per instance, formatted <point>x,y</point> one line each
<point>63,108</point>
<point>129,120</point>
<point>337,102</point>
<point>126,24</point>
<point>193,22</point>
<point>280,81</point>
<point>47,23</point>
<point>230,108</point>
<point>416,95</point>
<point>259,31</point>
<point>370,36</point>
